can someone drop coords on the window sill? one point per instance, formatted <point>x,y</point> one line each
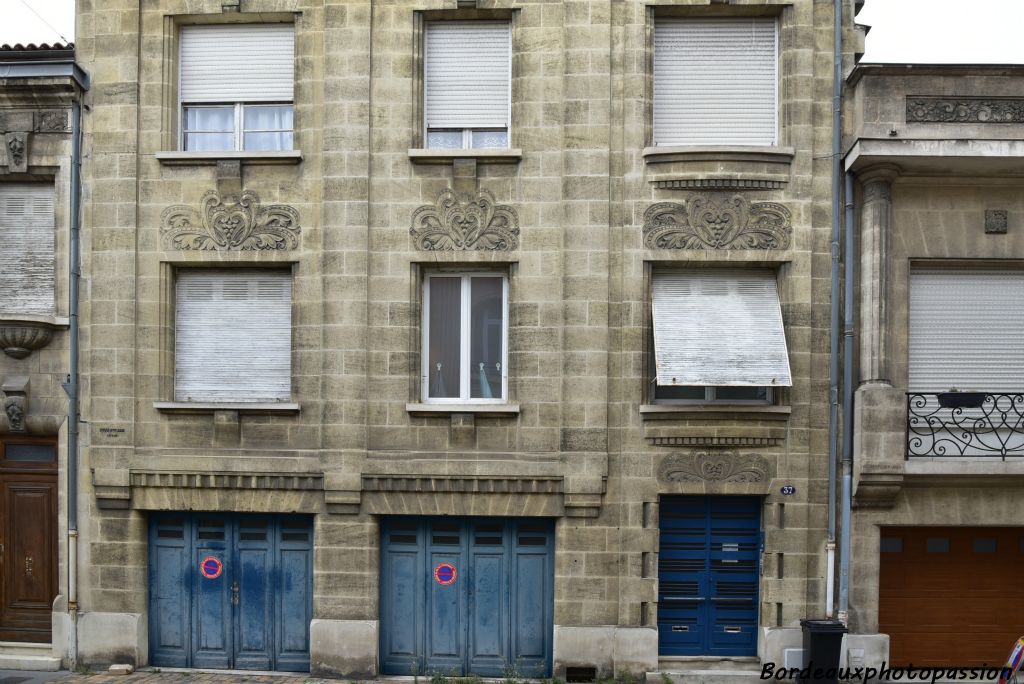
<point>183,158</point>
<point>492,156</point>
<point>239,406</point>
<point>713,411</point>
<point>477,409</point>
<point>729,153</point>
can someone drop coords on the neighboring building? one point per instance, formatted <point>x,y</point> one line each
<point>452,337</point>
<point>938,525</point>
<point>38,86</point>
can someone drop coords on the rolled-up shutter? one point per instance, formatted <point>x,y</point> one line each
<point>715,81</point>
<point>233,332</point>
<point>719,327</point>
<point>238,63</point>
<point>467,74</point>
<point>26,248</point>
<point>966,330</point>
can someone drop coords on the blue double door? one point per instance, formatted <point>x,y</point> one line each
<point>467,596</point>
<point>230,591</point>
<point>708,575</point>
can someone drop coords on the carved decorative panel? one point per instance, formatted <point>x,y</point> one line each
<point>965,110</point>
<point>717,221</point>
<point>465,223</point>
<point>714,466</point>
<point>231,223</point>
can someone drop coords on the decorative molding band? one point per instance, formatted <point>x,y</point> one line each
<point>50,121</point>
<point>714,466</point>
<point>222,480</point>
<point>965,110</point>
<point>467,485</point>
<point>717,221</point>
<point>465,223</point>
<point>715,441</point>
<point>231,223</point>
<point>719,184</point>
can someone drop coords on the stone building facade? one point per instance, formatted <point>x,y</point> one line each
<point>937,536</point>
<point>521,522</point>
<point>39,88</point>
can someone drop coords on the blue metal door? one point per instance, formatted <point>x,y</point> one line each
<point>466,595</point>
<point>230,591</point>
<point>708,575</point>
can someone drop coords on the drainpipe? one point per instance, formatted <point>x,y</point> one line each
<point>833,388</point>
<point>75,275</point>
<point>844,539</point>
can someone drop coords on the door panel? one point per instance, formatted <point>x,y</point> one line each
<point>944,594</point>
<point>254,615</point>
<point>495,616</point>
<point>29,539</point>
<point>708,571</point>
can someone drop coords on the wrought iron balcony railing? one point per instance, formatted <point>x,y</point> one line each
<point>965,424</point>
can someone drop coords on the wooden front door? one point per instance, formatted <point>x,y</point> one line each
<point>28,538</point>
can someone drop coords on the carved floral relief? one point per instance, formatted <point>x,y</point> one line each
<point>965,110</point>
<point>717,221</point>
<point>714,466</point>
<point>465,223</point>
<point>231,223</point>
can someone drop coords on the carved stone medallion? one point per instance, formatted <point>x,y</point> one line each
<point>231,223</point>
<point>465,223</point>
<point>714,466</point>
<point>965,110</point>
<point>17,152</point>
<point>717,221</point>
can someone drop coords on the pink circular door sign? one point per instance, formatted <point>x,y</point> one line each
<point>445,573</point>
<point>211,567</point>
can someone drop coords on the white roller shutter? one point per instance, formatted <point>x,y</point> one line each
<point>26,248</point>
<point>966,330</point>
<point>716,81</point>
<point>233,332</point>
<point>468,74</point>
<point>719,327</point>
<point>238,63</point>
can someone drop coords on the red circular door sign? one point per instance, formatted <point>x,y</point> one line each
<point>445,573</point>
<point>211,567</point>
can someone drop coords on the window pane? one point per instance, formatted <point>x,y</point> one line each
<point>209,142</point>
<point>267,117</point>
<point>220,119</point>
<point>741,393</point>
<point>487,335</point>
<point>483,140</point>
<point>670,392</point>
<point>268,141</point>
<point>34,453</point>
<point>445,337</point>
<point>444,140</point>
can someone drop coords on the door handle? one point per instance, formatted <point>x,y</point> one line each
<point>234,593</point>
<point>694,599</point>
<point>724,599</point>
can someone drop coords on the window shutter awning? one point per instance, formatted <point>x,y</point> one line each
<point>233,332</point>
<point>237,63</point>
<point>966,330</point>
<point>467,74</point>
<point>26,248</point>
<point>719,327</point>
<point>715,81</point>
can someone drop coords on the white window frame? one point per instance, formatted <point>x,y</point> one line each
<point>710,395</point>
<point>467,133</point>
<point>465,341</point>
<point>239,130</point>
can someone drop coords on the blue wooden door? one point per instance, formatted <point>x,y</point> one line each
<point>466,595</point>
<point>230,591</point>
<point>708,575</point>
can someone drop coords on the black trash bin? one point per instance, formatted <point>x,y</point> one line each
<point>823,642</point>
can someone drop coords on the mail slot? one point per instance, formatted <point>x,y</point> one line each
<point>733,630</point>
<point>680,628</point>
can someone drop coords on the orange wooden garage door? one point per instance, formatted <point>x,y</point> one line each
<point>951,595</point>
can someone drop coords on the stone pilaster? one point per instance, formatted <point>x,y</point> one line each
<point>875,238</point>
